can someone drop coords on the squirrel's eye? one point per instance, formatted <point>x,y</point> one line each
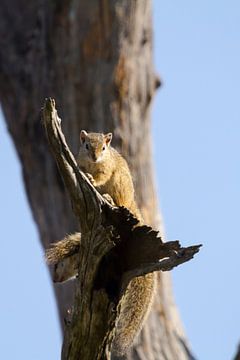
<point>87,146</point>
<point>103,148</point>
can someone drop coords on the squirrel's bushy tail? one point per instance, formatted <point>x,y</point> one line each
<point>135,306</point>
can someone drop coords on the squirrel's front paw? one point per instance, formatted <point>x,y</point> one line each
<point>108,198</point>
<point>90,178</point>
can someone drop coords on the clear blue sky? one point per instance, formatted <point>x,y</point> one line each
<point>196,127</point>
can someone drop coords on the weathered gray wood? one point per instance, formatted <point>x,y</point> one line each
<point>95,58</point>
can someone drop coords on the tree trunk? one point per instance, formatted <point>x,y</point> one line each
<point>95,58</point>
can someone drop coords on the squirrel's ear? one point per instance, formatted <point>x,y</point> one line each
<point>108,138</point>
<point>83,135</point>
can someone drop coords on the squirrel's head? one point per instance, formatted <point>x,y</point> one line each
<point>94,146</point>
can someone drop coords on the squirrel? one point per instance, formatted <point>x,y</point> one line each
<point>109,173</point>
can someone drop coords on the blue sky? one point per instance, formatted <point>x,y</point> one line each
<point>196,131</point>
<point>196,140</point>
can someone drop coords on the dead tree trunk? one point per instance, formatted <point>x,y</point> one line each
<point>107,233</point>
<point>95,58</point>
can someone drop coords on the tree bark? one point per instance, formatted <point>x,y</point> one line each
<point>95,58</point>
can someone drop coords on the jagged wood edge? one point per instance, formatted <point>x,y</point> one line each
<point>152,254</point>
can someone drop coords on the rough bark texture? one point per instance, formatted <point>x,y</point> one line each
<point>95,58</point>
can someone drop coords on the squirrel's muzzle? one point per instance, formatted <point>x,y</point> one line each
<point>94,157</point>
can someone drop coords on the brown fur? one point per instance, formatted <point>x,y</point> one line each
<point>110,174</point>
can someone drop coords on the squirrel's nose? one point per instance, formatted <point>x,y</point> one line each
<point>94,157</point>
